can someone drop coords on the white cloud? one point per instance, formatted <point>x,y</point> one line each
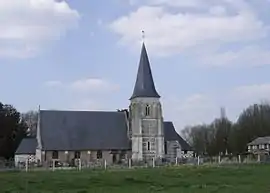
<point>27,25</point>
<point>205,25</point>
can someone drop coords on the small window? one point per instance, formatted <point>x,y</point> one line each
<point>55,155</point>
<point>77,155</point>
<point>148,145</point>
<point>165,147</point>
<point>147,110</point>
<point>99,154</point>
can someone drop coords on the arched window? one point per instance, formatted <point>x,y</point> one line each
<point>55,155</point>
<point>148,145</point>
<point>147,110</point>
<point>165,147</point>
<point>99,154</point>
<point>77,155</point>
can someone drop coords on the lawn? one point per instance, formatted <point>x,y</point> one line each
<point>229,179</point>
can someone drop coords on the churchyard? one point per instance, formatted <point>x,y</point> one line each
<point>198,179</point>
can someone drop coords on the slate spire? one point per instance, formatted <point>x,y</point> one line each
<point>144,86</point>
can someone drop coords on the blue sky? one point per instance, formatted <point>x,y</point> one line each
<point>204,54</point>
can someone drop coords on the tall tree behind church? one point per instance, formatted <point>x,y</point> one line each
<point>12,130</point>
<point>253,122</point>
<point>31,120</point>
<point>223,136</point>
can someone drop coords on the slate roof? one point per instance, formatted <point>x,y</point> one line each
<point>27,146</point>
<point>260,141</point>
<point>144,86</point>
<point>83,130</point>
<point>170,134</point>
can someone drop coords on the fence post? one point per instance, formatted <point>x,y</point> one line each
<point>198,161</point>
<point>239,158</point>
<point>176,161</point>
<point>259,158</point>
<point>26,165</point>
<point>53,165</point>
<point>80,164</point>
<point>105,164</point>
<point>129,163</point>
<point>153,162</point>
<point>219,159</point>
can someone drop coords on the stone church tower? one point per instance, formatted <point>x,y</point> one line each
<point>146,120</point>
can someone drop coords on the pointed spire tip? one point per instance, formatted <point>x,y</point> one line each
<point>143,35</point>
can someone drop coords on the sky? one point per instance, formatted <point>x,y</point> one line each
<point>83,55</point>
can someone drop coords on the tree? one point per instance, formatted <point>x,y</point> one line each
<point>12,130</point>
<point>253,122</point>
<point>186,134</point>
<point>201,138</point>
<point>31,120</point>
<point>222,131</point>
<point>223,136</point>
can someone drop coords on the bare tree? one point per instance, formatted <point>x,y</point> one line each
<point>186,134</point>
<point>31,120</point>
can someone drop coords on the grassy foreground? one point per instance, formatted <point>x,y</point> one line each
<point>227,179</point>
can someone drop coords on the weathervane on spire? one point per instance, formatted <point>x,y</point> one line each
<point>143,35</point>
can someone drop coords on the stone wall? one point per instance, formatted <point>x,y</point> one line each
<point>173,149</point>
<point>89,156</point>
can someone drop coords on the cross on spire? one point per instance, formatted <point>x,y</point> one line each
<point>143,35</point>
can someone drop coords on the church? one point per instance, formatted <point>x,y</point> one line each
<point>139,133</point>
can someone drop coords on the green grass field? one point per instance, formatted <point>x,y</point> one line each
<point>229,179</point>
